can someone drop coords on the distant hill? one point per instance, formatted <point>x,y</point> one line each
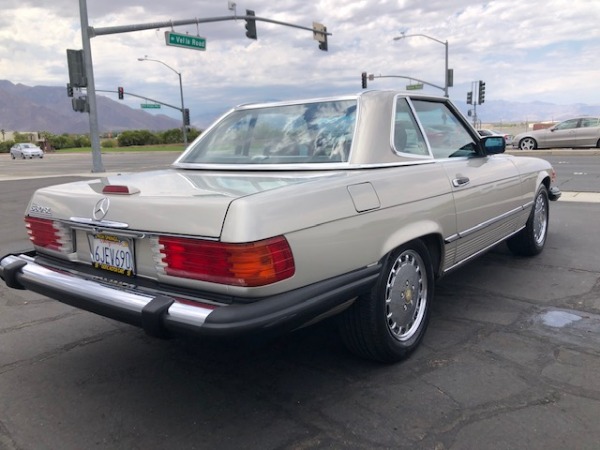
<point>47,108</point>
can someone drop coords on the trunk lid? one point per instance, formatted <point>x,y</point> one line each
<point>189,202</point>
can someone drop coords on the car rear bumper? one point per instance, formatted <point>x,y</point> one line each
<point>163,315</point>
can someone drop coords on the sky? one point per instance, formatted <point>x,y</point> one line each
<point>525,51</point>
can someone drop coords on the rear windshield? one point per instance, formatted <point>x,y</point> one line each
<point>317,132</point>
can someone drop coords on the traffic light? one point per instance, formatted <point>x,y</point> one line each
<point>121,92</point>
<point>364,80</point>
<point>69,90</point>
<point>250,25</point>
<point>470,98</point>
<point>186,116</point>
<point>80,104</point>
<point>323,42</point>
<point>450,77</point>
<point>481,92</point>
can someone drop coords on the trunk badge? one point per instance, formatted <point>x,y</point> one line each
<point>101,208</point>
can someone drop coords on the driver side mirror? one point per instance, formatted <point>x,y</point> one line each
<point>494,144</point>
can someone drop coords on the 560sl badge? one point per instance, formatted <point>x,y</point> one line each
<point>40,210</point>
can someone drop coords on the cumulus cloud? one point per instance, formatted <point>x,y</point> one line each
<point>524,51</point>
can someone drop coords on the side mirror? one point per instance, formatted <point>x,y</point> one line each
<point>494,144</point>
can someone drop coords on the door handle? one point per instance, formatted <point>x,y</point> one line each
<point>460,181</point>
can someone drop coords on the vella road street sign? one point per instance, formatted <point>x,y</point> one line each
<point>414,87</point>
<point>150,106</point>
<point>185,41</point>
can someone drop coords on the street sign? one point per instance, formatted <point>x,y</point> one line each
<point>414,87</point>
<point>150,106</point>
<point>185,41</point>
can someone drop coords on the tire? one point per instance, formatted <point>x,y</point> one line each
<point>527,143</point>
<point>530,240</point>
<point>598,144</point>
<point>388,323</point>
<point>13,156</point>
<point>22,155</point>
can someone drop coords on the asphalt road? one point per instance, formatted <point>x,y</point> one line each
<point>510,361</point>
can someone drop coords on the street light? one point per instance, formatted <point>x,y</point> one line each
<point>445,44</point>
<point>145,58</point>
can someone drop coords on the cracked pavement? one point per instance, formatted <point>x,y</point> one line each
<point>510,360</point>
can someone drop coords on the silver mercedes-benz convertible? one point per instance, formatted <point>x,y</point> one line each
<point>283,214</point>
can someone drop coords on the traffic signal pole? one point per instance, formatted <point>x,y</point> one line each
<point>97,165</point>
<point>87,32</point>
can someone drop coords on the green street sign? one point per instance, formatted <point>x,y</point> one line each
<point>414,87</point>
<point>150,106</point>
<point>185,41</point>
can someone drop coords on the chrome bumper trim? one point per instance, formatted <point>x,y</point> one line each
<point>102,297</point>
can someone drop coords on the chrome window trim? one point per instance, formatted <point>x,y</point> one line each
<point>418,125</point>
<point>304,167</point>
<point>178,163</point>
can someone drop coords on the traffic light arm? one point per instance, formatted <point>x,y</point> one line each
<point>178,108</point>
<point>93,32</point>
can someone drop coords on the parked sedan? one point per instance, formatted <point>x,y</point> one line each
<point>580,132</point>
<point>282,214</point>
<point>26,150</point>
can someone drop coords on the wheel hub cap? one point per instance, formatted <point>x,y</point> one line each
<point>406,295</point>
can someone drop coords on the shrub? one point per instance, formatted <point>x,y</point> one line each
<point>108,143</point>
<point>5,146</point>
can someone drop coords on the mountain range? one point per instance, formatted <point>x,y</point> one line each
<point>47,108</point>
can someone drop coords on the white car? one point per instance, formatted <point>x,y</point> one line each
<point>282,214</point>
<point>579,132</point>
<point>26,150</point>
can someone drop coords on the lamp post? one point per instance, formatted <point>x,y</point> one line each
<point>445,44</point>
<point>184,130</point>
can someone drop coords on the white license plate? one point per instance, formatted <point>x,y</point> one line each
<point>113,253</point>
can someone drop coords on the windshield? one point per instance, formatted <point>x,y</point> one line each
<point>317,132</point>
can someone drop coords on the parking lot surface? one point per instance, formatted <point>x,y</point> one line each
<point>510,361</point>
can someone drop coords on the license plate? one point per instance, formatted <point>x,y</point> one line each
<point>113,253</point>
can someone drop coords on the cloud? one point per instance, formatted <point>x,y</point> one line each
<point>525,51</point>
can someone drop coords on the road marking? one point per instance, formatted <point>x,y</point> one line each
<point>583,197</point>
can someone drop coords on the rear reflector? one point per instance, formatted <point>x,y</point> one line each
<point>49,234</point>
<point>249,264</point>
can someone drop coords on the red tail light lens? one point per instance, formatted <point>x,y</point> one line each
<point>249,264</point>
<point>48,234</point>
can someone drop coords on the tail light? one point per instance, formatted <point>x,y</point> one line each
<point>248,264</point>
<point>120,189</point>
<point>49,234</point>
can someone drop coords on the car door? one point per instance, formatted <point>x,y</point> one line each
<point>487,189</point>
<point>564,134</point>
<point>588,132</point>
